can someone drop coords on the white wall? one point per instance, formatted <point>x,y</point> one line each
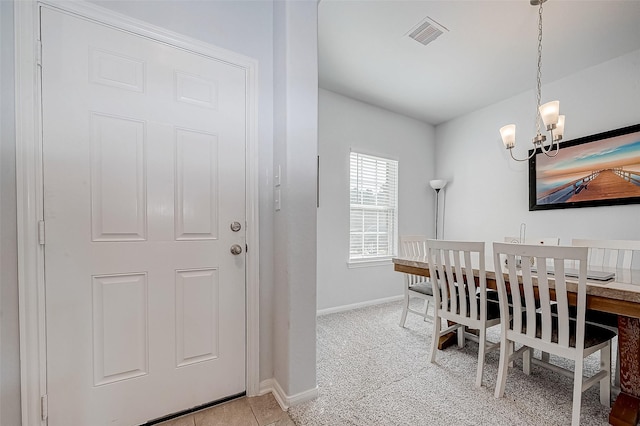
<point>487,197</point>
<point>347,124</point>
<point>9,331</point>
<point>295,151</point>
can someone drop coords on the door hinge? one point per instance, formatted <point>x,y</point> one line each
<point>39,54</point>
<point>41,232</point>
<point>44,407</point>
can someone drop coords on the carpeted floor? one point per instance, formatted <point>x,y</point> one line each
<point>373,372</point>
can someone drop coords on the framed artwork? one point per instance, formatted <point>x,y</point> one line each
<point>596,170</point>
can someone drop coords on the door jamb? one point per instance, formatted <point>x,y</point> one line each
<point>29,187</point>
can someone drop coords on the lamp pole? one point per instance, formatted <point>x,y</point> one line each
<point>437,185</point>
<point>437,210</point>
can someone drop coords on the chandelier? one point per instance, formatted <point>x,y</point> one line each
<point>547,113</point>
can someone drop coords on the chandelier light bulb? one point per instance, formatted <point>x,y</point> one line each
<point>549,113</point>
<point>508,134</point>
<point>559,130</point>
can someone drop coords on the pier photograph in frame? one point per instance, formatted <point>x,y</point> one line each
<point>596,170</point>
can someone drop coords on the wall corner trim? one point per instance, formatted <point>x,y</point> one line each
<point>285,401</point>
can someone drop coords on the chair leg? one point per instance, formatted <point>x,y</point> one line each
<point>426,308</point>
<point>526,361</point>
<point>545,356</point>
<point>505,349</point>
<point>512,348</point>
<point>460,332</point>
<point>437,323</point>
<point>577,392</point>
<point>605,384</point>
<point>405,309</point>
<point>482,348</point>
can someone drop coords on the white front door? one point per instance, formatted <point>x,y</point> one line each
<point>144,172</point>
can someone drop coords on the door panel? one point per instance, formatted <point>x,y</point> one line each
<point>144,170</point>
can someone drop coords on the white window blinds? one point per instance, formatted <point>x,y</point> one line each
<point>373,207</point>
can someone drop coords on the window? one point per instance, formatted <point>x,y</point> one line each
<point>373,207</point>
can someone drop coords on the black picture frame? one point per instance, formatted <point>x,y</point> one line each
<point>588,172</point>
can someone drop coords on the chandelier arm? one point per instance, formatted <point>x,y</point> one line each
<point>555,153</point>
<point>533,152</point>
<point>550,150</point>
<point>543,149</point>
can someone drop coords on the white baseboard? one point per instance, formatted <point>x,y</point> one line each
<point>344,308</point>
<point>285,401</point>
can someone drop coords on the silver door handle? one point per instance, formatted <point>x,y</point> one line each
<point>236,249</point>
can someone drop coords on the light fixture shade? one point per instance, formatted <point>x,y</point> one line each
<point>549,113</point>
<point>438,184</point>
<point>558,133</point>
<point>508,134</point>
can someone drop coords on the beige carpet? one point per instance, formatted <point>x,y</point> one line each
<point>373,372</point>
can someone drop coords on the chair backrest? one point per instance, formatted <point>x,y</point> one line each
<point>451,265</point>
<point>547,241</point>
<point>621,254</point>
<point>413,245</point>
<point>523,284</point>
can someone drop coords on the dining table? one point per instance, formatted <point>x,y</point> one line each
<point>619,295</point>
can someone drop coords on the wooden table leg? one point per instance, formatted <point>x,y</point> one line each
<point>451,339</point>
<point>447,340</point>
<point>626,409</point>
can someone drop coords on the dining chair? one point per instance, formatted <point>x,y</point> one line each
<point>415,286</point>
<point>547,241</point>
<point>540,328</point>
<point>618,254</point>
<point>458,298</point>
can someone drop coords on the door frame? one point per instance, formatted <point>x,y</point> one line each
<point>29,188</point>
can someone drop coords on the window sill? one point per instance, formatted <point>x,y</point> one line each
<point>366,263</point>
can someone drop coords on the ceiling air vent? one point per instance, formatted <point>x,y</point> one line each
<point>427,31</point>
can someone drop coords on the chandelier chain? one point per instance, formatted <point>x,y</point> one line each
<point>539,74</point>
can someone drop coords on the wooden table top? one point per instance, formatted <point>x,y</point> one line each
<point>620,296</point>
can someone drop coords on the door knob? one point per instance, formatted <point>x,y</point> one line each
<point>236,249</point>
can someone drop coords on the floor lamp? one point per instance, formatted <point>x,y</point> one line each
<point>437,185</point>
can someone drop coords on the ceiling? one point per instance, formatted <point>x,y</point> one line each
<point>488,54</point>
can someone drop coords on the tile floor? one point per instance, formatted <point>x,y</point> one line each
<point>254,411</point>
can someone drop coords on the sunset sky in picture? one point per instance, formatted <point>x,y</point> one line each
<point>617,151</point>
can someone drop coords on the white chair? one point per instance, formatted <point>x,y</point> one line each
<point>416,286</point>
<point>546,241</point>
<point>540,328</point>
<point>619,254</point>
<point>458,298</point>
